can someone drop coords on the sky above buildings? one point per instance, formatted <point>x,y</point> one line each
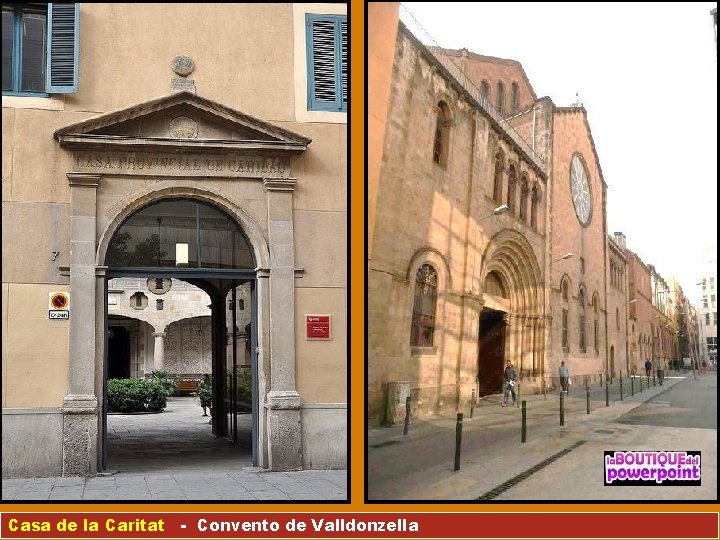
<point>647,76</point>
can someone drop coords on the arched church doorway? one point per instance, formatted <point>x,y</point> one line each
<point>185,271</point>
<point>491,351</point>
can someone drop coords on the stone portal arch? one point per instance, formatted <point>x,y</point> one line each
<point>509,266</point>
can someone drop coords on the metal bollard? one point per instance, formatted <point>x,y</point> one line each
<point>562,409</point>
<point>458,440</point>
<point>517,395</point>
<point>648,382</point>
<point>523,425</point>
<point>660,376</point>
<point>621,388</point>
<point>472,403</point>
<point>607,394</point>
<point>632,386</point>
<point>640,383</point>
<point>544,389</point>
<point>587,395</point>
<point>654,379</point>
<point>407,416</point>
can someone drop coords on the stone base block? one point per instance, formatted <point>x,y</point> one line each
<point>80,435</point>
<point>284,431</point>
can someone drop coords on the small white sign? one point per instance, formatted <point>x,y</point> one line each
<point>65,314</point>
<point>112,300</point>
<point>181,254</point>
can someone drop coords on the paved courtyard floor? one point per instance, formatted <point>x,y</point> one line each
<point>174,456</point>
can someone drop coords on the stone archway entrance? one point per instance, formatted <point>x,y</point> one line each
<point>127,160</point>
<point>181,240</point>
<point>512,320</point>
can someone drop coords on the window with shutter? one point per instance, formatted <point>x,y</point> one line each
<point>327,62</point>
<point>40,48</point>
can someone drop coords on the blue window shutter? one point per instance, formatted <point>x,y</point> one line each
<point>63,46</point>
<point>327,62</point>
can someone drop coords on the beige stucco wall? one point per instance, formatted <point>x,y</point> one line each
<point>244,58</point>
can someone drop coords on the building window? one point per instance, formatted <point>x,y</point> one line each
<point>705,302</point>
<point>514,97</point>
<point>534,198</point>
<point>712,283</point>
<point>707,319</point>
<point>712,300</point>
<point>442,134</point>
<point>497,182</point>
<point>327,62</point>
<point>512,183</point>
<point>596,325</point>
<point>524,193</point>
<point>485,89</point>
<point>582,265</point>
<point>704,284</point>
<point>617,317</point>
<point>500,97</point>
<point>39,48</point>
<point>423,319</point>
<point>565,329</point>
<point>564,287</point>
<point>714,318</point>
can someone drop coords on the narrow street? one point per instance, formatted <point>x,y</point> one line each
<point>420,466</point>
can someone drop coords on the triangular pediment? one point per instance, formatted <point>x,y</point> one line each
<point>181,120</point>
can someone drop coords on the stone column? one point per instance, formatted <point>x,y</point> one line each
<point>159,351</point>
<point>283,400</point>
<point>80,405</point>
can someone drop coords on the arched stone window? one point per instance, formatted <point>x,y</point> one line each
<point>617,317</point>
<point>612,272</point>
<point>497,182</point>
<point>565,288</point>
<point>500,98</point>
<point>581,321</point>
<point>524,193</point>
<point>425,301</point>
<point>534,200</point>
<point>514,97</point>
<point>512,184</point>
<point>441,144</point>
<point>485,89</point>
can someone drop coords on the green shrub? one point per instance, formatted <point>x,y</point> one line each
<point>133,395</point>
<point>164,379</point>
<point>244,389</point>
<point>205,392</point>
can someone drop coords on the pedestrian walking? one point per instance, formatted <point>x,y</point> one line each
<point>564,374</point>
<point>648,367</point>
<point>509,382</point>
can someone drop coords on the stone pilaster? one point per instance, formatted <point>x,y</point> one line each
<point>283,400</point>
<point>80,406</point>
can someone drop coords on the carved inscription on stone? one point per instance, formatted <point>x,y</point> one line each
<point>184,165</point>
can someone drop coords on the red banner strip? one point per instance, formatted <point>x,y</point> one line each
<point>359,525</point>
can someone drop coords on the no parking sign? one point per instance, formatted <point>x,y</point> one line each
<point>59,305</point>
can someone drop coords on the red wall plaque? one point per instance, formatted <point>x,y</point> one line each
<point>317,326</point>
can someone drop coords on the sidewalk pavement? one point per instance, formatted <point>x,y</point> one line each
<point>480,471</point>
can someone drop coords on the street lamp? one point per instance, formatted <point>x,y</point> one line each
<point>502,209</point>
<point>564,257</point>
